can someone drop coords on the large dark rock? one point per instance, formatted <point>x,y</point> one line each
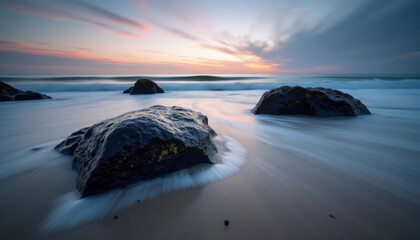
<point>144,86</point>
<point>138,145</point>
<point>319,102</point>
<point>9,93</point>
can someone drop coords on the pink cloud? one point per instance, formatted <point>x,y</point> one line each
<point>45,11</point>
<point>104,13</point>
<point>28,48</point>
<point>104,65</point>
<point>219,49</point>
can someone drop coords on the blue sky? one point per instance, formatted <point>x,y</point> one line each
<point>60,37</point>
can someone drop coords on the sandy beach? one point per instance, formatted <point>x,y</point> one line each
<point>302,177</point>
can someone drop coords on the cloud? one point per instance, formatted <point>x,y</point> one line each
<point>243,47</point>
<point>102,12</point>
<point>185,19</point>
<point>27,58</point>
<point>360,41</point>
<point>45,11</point>
<point>180,12</point>
<point>197,28</point>
<point>178,32</point>
<point>29,48</point>
<point>333,37</point>
<point>311,35</point>
<point>282,22</point>
<point>300,9</point>
<point>221,49</point>
<point>405,56</point>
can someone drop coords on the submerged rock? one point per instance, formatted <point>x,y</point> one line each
<point>9,93</point>
<point>137,146</point>
<point>144,86</point>
<point>319,102</point>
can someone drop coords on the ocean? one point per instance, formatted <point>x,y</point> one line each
<point>351,166</point>
<point>212,83</point>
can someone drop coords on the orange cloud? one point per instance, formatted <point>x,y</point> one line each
<point>29,48</point>
<point>246,58</point>
<point>125,65</point>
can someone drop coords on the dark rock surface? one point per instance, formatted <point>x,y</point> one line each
<point>144,86</point>
<point>9,93</point>
<point>319,102</point>
<point>138,145</point>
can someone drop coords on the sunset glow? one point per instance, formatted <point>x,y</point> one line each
<point>155,37</point>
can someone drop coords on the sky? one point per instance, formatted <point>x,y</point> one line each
<point>126,37</point>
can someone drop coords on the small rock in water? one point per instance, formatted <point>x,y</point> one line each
<point>332,216</point>
<point>226,222</point>
<point>9,93</point>
<point>144,86</point>
<point>115,217</point>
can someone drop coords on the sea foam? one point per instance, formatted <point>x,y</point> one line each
<point>69,211</point>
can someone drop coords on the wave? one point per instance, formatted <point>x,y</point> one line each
<point>212,78</point>
<point>207,78</point>
<point>213,83</point>
<point>199,78</point>
<point>168,87</point>
<point>221,86</point>
<point>359,77</point>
